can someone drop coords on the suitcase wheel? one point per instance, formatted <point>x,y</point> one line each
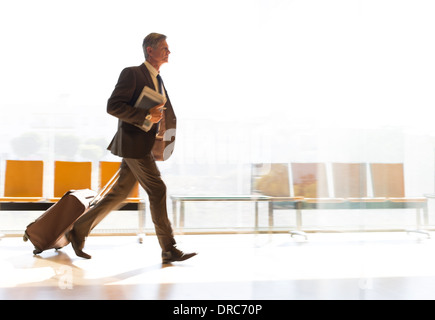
<point>25,236</point>
<point>37,251</point>
<point>58,248</point>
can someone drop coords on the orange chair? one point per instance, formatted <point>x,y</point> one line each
<point>270,179</point>
<point>388,180</point>
<point>107,170</point>
<point>23,180</point>
<point>309,180</point>
<point>350,180</point>
<point>71,175</point>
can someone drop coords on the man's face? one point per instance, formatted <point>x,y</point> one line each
<point>160,54</point>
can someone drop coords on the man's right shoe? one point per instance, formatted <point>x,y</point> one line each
<point>77,245</point>
<point>176,255</point>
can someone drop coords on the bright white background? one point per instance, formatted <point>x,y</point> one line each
<point>321,59</point>
<point>306,80</point>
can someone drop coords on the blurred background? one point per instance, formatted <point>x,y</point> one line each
<point>263,81</point>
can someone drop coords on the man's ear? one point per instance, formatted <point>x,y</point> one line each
<point>149,50</point>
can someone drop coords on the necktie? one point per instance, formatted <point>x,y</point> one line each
<point>160,84</point>
<point>161,125</point>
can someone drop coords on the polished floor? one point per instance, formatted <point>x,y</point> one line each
<point>233,266</point>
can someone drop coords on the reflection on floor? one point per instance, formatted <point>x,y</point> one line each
<point>248,267</point>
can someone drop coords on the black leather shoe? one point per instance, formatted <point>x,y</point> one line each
<point>77,245</point>
<point>176,255</point>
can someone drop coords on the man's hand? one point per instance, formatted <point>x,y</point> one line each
<point>157,113</point>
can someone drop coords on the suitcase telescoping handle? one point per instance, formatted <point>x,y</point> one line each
<point>105,189</point>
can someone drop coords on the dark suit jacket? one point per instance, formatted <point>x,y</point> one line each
<point>131,141</point>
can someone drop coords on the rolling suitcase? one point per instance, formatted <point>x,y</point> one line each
<point>48,231</point>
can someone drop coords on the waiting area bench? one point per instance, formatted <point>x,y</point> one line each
<point>350,187</point>
<point>178,204</point>
<point>305,186</point>
<point>293,186</point>
<point>24,185</point>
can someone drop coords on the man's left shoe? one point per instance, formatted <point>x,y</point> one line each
<point>176,255</point>
<point>77,245</point>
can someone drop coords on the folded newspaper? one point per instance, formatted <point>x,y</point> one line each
<point>148,99</point>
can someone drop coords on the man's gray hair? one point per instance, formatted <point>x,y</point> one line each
<point>152,40</point>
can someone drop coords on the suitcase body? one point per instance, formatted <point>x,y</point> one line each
<point>48,231</point>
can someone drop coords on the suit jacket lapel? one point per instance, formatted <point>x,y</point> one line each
<point>162,149</point>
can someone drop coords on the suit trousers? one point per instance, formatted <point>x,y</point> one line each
<point>144,171</point>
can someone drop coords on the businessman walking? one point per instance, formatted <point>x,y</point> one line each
<point>139,150</point>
